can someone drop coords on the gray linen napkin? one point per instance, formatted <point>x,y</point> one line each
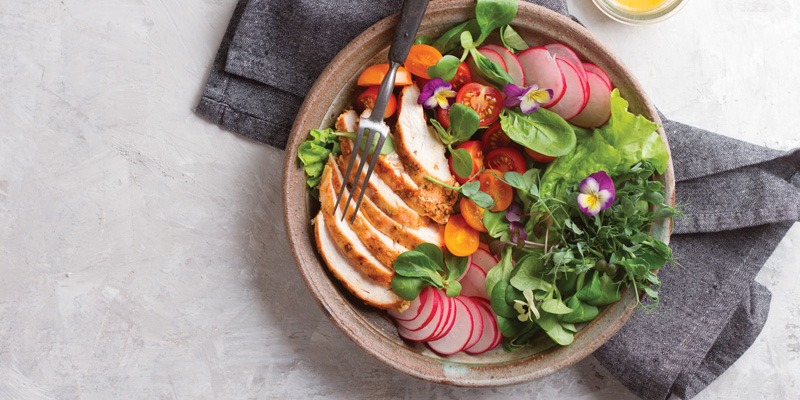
<point>739,199</point>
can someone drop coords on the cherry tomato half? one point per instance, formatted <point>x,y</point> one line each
<point>460,238</point>
<point>420,57</point>
<point>538,157</point>
<point>499,191</point>
<point>486,100</point>
<point>506,159</point>
<point>367,100</point>
<point>463,76</point>
<point>494,137</point>
<point>443,116</point>
<point>473,214</point>
<point>374,74</point>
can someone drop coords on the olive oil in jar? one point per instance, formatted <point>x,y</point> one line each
<point>638,6</point>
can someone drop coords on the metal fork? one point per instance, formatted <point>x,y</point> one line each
<point>404,35</point>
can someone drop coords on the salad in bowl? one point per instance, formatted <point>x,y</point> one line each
<point>520,207</point>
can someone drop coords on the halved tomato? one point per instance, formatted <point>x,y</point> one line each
<point>487,101</point>
<point>367,100</point>
<point>420,57</point>
<point>474,149</point>
<point>443,116</point>
<point>506,159</point>
<point>463,76</point>
<point>374,74</point>
<point>499,191</point>
<point>473,214</point>
<point>538,157</point>
<point>494,137</point>
<point>460,238</point>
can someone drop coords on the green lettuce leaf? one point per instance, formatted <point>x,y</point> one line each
<point>624,141</point>
<point>314,152</point>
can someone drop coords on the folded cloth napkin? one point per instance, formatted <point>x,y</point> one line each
<point>738,199</point>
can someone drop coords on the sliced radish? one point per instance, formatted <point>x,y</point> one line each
<point>490,335</point>
<point>429,310</point>
<point>474,283</point>
<point>560,51</point>
<point>540,68</point>
<point>425,330</point>
<point>484,259</point>
<point>513,66</point>
<point>477,321</point>
<point>598,109</point>
<point>575,97</point>
<point>599,71</point>
<point>459,335</point>
<point>447,320</point>
<point>494,57</point>
<point>413,309</point>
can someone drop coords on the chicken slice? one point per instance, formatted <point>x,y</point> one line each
<point>384,248</point>
<point>406,236</point>
<point>359,240</point>
<point>381,194</point>
<point>422,153</point>
<point>354,280</point>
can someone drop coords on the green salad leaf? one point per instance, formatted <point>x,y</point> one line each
<point>451,39</point>
<point>314,153</point>
<point>492,14</point>
<point>542,131</point>
<point>425,266</point>
<point>511,39</point>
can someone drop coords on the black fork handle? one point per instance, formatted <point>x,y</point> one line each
<point>406,31</point>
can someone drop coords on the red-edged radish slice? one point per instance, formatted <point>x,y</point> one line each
<point>565,53</point>
<point>598,109</point>
<point>447,320</point>
<point>459,335</point>
<point>540,68</point>
<point>477,321</point>
<point>599,71</point>
<point>474,284</point>
<point>484,259</point>
<point>413,309</point>
<point>429,310</point>
<point>425,331</point>
<point>559,50</point>
<point>494,57</point>
<point>513,66</point>
<point>575,98</point>
<point>490,332</point>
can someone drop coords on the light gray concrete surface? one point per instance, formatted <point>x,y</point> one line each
<point>142,249</point>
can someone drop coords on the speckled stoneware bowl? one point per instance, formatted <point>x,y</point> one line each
<point>371,329</point>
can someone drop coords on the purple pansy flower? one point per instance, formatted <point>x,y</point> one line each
<point>436,93</point>
<point>527,98</point>
<point>597,193</point>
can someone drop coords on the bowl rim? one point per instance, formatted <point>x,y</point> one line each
<point>340,310</point>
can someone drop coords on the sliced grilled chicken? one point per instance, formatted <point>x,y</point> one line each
<point>406,236</point>
<point>422,153</point>
<point>384,248</point>
<point>359,284</point>
<point>359,240</point>
<point>429,202</point>
<point>381,194</point>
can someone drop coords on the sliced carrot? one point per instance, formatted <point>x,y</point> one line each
<point>374,74</point>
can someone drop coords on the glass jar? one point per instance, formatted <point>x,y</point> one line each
<point>639,12</point>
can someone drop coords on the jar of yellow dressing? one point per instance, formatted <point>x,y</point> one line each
<point>639,12</point>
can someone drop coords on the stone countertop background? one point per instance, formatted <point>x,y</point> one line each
<point>142,249</point>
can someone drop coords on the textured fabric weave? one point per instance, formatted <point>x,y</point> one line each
<point>738,199</point>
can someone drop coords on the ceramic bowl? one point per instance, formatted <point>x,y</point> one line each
<point>371,329</point>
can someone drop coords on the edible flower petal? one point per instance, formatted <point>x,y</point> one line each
<point>597,193</point>
<point>528,99</point>
<point>526,309</point>
<point>436,93</point>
